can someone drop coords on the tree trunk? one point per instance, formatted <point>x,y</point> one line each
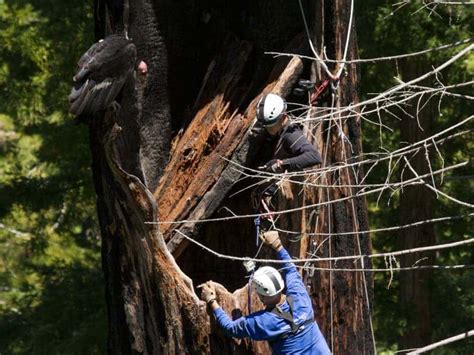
<point>206,72</point>
<point>342,298</point>
<point>416,204</point>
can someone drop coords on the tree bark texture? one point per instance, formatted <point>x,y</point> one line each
<point>170,154</point>
<point>416,204</point>
<point>348,329</point>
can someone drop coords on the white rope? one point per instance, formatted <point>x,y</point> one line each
<point>348,257</point>
<point>339,72</point>
<point>392,269</point>
<point>329,211</point>
<point>323,64</point>
<point>430,347</point>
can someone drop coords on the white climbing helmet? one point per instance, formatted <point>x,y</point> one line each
<point>267,281</point>
<point>270,109</point>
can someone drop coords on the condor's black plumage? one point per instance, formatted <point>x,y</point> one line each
<point>101,74</point>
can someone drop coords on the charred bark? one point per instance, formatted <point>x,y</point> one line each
<point>140,176</point>
<point>198,177</point>
<point>348,329</point>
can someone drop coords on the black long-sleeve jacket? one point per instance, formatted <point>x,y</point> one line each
<point>294,150</point>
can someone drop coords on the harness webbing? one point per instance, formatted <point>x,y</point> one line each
<point>318,91</point>
<point>288,316</point>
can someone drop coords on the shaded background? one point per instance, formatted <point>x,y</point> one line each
<point>51,286</point>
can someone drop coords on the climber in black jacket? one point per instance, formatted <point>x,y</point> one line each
<point>292,151</point>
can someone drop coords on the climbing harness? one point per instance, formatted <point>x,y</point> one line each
<point>288,316</point>
<point>250,266</point>
<point>264,221</point>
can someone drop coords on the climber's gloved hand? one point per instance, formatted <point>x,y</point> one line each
<point>273,166</point>
<point>272,239</point>
<point>208,293</point>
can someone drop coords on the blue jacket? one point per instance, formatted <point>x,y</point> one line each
<point>265,325</point>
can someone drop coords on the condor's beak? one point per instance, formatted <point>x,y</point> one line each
<point>142,67</point>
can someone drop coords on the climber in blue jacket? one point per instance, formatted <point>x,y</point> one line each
<point>287,323</point>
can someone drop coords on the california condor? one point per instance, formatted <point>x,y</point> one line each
<point>101,74</point>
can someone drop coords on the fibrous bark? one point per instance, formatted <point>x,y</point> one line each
<point>141,177</point>
<point>414,286</point>
<point>342,299</point>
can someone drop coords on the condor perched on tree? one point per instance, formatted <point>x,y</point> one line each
<point>101,74</point>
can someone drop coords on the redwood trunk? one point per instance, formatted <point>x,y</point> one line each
<point>416,204</point>
<point>209,93</point>
<point>349,328</point>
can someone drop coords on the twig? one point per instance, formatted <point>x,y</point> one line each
<point>378,59</point>
<point>411,82</point>
<point>414,180</point>
<point>15,232</point>
<point>347,257</point>
<point>386,229</point>
<point>436,190</point>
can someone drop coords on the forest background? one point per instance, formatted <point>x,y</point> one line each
<point>51,284</point>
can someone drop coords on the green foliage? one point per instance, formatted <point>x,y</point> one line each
<point>51,288</point>
<point>51,295</point>
<point>65,316</point>
<point>384,32</point>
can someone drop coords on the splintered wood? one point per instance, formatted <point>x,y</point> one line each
<point>225,110</point>
<point>197,158</point>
